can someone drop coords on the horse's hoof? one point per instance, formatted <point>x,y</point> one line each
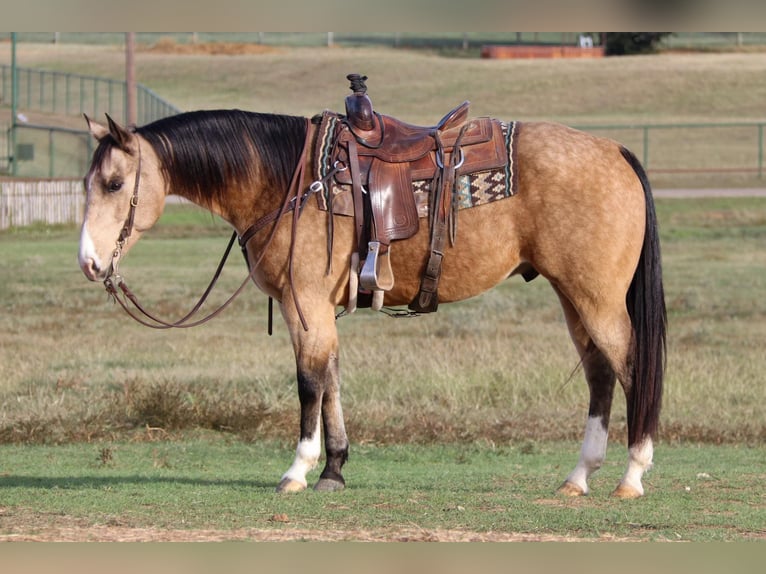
<point>626,492</point>
<point>571,489</point>
<point>290,485</point>
<point>328,485</point>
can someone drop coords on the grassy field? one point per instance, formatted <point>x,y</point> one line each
<point>72,367</point>
<point>214,489</point>
<point>99,413</point>
<point>420,86</point>
<point>115,432</point>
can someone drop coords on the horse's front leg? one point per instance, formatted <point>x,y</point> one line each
<point>316,352</point>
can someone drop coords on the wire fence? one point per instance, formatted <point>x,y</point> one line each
<point>49,151</point>
<point>396,39</point>
<point>693,148</point>
<point>701,154</point>
<point>62,93</point>
<point>57,150</point>
<point>726,150</point>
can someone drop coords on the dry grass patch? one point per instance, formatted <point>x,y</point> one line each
<point>171,46</point>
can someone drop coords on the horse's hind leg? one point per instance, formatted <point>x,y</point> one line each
<point>603,334</point>
<point>601,379</point>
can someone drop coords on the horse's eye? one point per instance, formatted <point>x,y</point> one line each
<point>114,186</point>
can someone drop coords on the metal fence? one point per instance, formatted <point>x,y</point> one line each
<point>695,154</point>
<point>56,150</point>
<point>5,148</point>
<point>693,149</point>
<point>394,39</point>
<point>460,40</point>
<point>49,152</point>
<point>673,151</point>
<point>24,202</point>
<point>72,94</point>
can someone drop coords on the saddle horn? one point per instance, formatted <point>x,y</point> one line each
<point>358,105</point>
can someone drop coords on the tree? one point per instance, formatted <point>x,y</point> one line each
<point>624,43</point>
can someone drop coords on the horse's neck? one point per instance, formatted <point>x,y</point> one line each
<point>241,205</point>
<point>232,214</point>
<point>253,203</point>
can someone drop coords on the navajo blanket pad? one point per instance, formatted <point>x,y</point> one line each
<point>471,189</point>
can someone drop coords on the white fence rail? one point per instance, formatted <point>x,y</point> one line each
<point>23,202</point>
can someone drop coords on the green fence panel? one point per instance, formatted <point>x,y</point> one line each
<point>72,94</point>
<point>726,147</point>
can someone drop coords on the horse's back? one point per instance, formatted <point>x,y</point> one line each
<point>556,158</point>
<point>578,209</point>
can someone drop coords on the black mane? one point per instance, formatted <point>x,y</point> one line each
<point>203,153</point>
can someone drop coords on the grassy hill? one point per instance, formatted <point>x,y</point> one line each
<point>420,85</point>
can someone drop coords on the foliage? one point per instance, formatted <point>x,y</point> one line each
<point>626,43</point>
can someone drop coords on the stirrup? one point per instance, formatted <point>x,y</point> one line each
<point>377,274</point>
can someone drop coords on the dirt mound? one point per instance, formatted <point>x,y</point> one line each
<point>170,46</point>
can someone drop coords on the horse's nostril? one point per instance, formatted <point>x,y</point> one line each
<point>90,268</point>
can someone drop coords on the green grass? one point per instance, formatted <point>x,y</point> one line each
<point>73,367</point>
<point>697,493</point>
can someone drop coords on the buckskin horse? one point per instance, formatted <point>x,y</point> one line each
<point>579,212</point>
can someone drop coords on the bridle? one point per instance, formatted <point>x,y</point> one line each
<point>127,227</point>
<point>294,201</point>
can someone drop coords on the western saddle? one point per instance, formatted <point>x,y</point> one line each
<point>380,157</point>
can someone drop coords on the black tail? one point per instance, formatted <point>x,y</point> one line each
<point>646,306</point>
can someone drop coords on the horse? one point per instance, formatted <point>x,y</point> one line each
<point>583,218</point>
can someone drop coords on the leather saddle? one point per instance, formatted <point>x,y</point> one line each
<point>380,156</point>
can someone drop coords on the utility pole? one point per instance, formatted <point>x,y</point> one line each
<point>14,105</point>
<point>131,105</point>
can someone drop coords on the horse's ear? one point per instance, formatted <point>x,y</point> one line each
<point>122,136</point>
<point>99,131</point>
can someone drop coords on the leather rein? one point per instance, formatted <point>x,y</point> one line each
<point>294,201</point>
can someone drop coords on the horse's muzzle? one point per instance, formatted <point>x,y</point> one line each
<point>90,263</point>
<point>92,269</point>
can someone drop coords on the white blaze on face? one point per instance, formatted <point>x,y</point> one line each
<point>88,258</point>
